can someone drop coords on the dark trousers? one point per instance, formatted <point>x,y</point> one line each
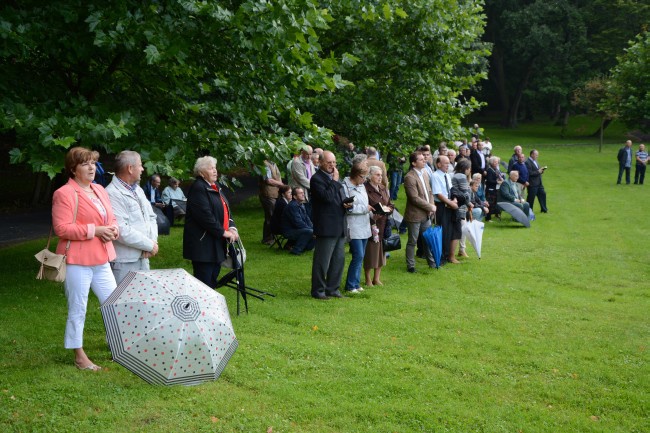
<point>207,272</point>
<point>620,174</point>
<point>639,173</point>
<point>443,219</point>
<point>539,192</point>
<point>395,182</point>
<point>268,204</point>
<point>327,265</point>
<point>304,239</point>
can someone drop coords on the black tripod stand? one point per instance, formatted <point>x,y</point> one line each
<point>235,279</point>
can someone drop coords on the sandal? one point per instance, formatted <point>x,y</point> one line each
<point>91,367</point>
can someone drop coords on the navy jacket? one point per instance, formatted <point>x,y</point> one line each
<point>295,217</point>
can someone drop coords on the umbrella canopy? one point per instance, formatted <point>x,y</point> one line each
<point>474,231</point>
<point>168,327</point>
<point>433,238</point>
<point>516,212</point>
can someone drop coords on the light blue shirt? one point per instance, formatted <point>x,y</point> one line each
<point>439,185</point>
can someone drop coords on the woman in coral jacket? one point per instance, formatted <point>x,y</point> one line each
<point>90,235</point>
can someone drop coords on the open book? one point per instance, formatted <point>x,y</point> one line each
<point>380,209</point>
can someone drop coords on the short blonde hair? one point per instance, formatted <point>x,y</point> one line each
<point>203,163</point>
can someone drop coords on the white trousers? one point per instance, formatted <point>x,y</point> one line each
<point>78,282</point>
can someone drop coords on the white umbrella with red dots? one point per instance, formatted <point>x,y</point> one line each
<point>169,328</point>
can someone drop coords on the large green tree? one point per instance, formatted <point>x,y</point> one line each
<point>629,86</point>
<point>241,80</point>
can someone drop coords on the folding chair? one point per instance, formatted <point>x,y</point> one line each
<point>278,240</point>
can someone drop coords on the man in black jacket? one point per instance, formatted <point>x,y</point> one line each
<point>535,186</point>
<point>625,159</point>
<point>328,213</point>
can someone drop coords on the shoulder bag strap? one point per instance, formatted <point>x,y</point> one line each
<point>74,219</point>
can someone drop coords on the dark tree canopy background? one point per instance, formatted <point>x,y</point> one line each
<point>543,50</point>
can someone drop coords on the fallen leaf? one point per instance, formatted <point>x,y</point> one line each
<point>214,419</point>
<point>595,418</point>
<point>269,430</point>
<point>314,328</point>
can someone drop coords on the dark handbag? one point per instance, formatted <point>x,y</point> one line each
<point>392,242</point>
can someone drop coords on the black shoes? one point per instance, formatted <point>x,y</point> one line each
<point>320,296</point>
<point>411,270</point>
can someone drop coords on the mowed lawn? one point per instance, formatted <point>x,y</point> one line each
<point>548,332</point>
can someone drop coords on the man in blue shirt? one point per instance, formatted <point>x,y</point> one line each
<point>445,210</point>
<point>641,163</point>
<point>520,166</point>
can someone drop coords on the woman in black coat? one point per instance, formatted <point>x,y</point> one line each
<point>208,223</point>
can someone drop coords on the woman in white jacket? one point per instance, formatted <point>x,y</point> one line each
<point>358,229</point>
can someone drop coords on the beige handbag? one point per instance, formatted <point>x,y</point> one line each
<point>52,264</point>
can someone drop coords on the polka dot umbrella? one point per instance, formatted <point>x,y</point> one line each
<point>169,328</point>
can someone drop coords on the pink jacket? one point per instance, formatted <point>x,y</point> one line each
<point>85,248</point>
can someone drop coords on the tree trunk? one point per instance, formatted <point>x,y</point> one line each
<point>513,112</point>
<point>499,80</point>
<point>602,130</point>
<point>604,123</point>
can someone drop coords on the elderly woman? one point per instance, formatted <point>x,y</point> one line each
<point>358,223</point>
<point>208,223</point>
<point>173,192</point>
<point>375,257</point>
<point>461,191</point>
<point>83,220</point>
<point>493,182</point>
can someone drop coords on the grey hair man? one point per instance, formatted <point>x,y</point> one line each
<point>135,217</point>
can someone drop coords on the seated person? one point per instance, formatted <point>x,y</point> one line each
<point>509,192</point>
<point>280,204</point>
<point>296,225</point>
<point>173,192</point>
<point>152,191</point>
<point>479,209</point>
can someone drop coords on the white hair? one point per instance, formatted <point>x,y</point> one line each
<point>204,163</point>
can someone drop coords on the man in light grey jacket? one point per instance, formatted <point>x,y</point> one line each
<point>135,217</point>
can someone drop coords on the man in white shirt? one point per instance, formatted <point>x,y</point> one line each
<point>451,228</point>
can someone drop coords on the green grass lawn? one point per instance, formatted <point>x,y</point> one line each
<point>548,332</point>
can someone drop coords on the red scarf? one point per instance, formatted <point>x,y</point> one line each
<point>226,216</point>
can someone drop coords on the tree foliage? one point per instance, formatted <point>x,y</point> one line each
<point>241,80</point>
<point>416,58</point>
<point>629,89</point>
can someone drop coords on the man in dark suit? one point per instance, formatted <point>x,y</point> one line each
<point>477,158</point>
<point>535,186</point>
<point>153,194</point>
<point>625,159</point>
<point>328,214</point>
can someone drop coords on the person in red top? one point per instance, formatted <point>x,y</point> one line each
<point>82,216</point>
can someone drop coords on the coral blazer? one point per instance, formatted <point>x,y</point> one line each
<point>85,248</point>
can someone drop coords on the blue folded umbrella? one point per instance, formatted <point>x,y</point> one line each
<point>433,238</point>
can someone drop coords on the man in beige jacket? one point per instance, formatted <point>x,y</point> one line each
<point>419,208</point>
